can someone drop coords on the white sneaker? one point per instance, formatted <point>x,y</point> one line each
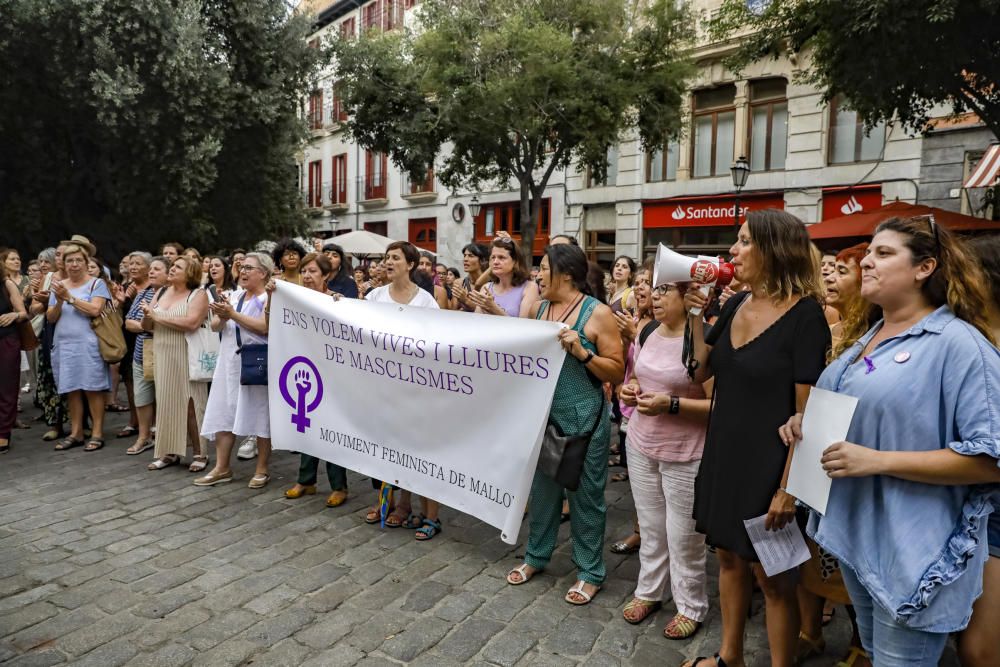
<point>248,450</point>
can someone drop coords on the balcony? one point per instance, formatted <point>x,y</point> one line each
<point>424,191</point>
<point>374,191</point>
<point>334,197</point>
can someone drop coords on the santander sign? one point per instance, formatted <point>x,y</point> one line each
<point>705,211</point>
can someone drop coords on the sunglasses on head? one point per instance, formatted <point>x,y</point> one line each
<point>934,230</point>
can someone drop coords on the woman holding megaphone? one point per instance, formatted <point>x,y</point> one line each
<point>765,352</point>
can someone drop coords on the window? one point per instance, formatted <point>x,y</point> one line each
<point>662,164</point>
<point>419,187</point>
<point>506,217</point>
<point>714,130</point>
<point>338,186</point>
<point>376,172</point>
<point>768,124</point>
<point>315,196</point>
<point>347,28</point>
<point>611,176</point>
<point>382,15</point>
<point>848,141</point>
<point>381,227</point>
<point>338,111</point>
<point>316,110</point>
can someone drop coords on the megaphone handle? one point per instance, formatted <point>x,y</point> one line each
<point>704,289</point>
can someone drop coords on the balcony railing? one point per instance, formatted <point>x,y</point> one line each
<point>329,196</point>
<point>374,189</point>
<point>425,187</point>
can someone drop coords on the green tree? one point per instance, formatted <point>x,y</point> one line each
<point>140,121</point>
<point>892,59</point>
<point>511,90</point>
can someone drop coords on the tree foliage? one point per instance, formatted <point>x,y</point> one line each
<point>141,121</point>
<point>511,90</point>
<point>892,59</point>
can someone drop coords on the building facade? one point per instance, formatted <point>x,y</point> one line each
<point>811,158</point>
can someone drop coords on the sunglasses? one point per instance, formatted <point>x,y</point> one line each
<point>934,230</point>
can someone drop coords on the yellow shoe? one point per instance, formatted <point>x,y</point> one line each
<point>300,490</point>
<point>337,498</point>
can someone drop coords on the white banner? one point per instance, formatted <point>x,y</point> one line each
<point>445,404</point>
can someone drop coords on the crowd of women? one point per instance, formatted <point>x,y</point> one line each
<point>709,410</point>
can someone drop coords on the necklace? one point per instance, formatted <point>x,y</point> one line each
<point>569,310</point>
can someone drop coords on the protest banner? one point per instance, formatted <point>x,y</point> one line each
<point>445,404</point>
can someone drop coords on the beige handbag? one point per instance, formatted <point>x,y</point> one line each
<point>148,360</point>
<point>108,328</point>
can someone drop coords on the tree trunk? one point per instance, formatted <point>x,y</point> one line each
<point>528,226</point>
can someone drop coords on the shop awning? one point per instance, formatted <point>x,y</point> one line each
<point>864,224</point>
<point>986,172</point>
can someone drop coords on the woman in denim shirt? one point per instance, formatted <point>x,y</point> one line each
<point>905,516</point>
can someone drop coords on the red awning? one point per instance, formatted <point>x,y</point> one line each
<point>986,172</point>
<point>864,224</point>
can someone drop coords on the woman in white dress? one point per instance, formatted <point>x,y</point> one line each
<point>235,409</point>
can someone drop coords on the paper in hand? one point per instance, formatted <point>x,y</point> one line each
<point>826,420</point>
<point>778,550</point>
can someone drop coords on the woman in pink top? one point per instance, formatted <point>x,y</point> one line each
<point>666,435</point>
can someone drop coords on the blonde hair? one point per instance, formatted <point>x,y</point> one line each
<point>72,248</point>
<point>192,271</point>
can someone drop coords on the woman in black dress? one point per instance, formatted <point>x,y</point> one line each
<point>765,352</point>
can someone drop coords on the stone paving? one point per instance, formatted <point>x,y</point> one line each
<point>103,563</point>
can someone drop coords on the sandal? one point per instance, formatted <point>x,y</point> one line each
<point>52,434</point>
<point>374,515</point>
<point>165,462</point>
<point>807,647</point>
<point>428,530</point>
<point>114,407</point>
<point>623,547</point>
<point>414,521</point>
<point>127,432</point>
<point>94,444</point>
<point>637,610</point>
<point>578,589</point>
<point>852,657</point>
<point>719,662</point>
<point>5,447</point>
<point>68,443</point>
<point>524,576</point>
<point>620,476</point>
<point>396,518</point>
<point>259,481</point>
<point>681,627</point>
<point>614,461</point>
<point>140,446</point>
<point>198,463</point>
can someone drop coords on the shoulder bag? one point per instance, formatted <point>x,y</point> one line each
<point>107,326</point>
<point>253,356</point>
<point>562,457</point>
<point>202,350</point>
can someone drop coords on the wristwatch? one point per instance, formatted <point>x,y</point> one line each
<point>675,405</point>
<point>71,300</point>
<point>586,360</point>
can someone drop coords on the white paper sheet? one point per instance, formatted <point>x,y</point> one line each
<point>778,550</point>
<point>826,420</point>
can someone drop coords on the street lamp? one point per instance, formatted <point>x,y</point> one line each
<point>741,172</point>
<point>474,206</point>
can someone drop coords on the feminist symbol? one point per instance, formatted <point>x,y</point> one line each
<point>305,380</point>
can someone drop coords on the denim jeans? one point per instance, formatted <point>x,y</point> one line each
<point>888,643</point>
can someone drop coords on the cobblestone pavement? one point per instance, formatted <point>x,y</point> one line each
<point>104,563</point>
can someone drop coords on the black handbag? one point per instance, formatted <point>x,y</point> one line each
<point>562,456</point>
<point>253,357</point>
